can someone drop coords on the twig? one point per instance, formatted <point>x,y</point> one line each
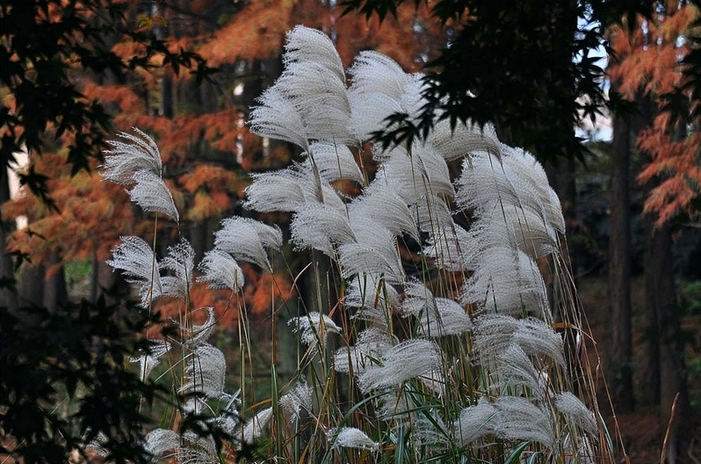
<point>663,456</point>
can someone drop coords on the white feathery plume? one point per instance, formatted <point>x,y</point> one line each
<point>204,371</point>
<point>374,253</point>
<point>437,316</point>
<point>506,281</point>
<point>435,169</point>
<point>147,361</point>
<point>515,369</point>
<point>530,170</point>
<point>432,214</point>
<point>410,359</point>
<point>135,258</point>
<point>246,239</point>
<point>320,98</point>
<point>307,44</point>
<point>518,227</point>
<point>277,117</point>
<point>370,291</point>
<point>276,191</point>
<point>296,400</point>
<point>463,140</point>
<point>430,430</point>
<point>313,328</point>
<point>412,100</point>
<point>381,204</point>
<point>394,403</point>
<point>369,110</point>
<point>335,161</point>
<point>197,450</point>
<point>319,226</point>
<point>373,299</point>
<point>198,334</point>
<point>475,422</point>
<point>483,184</point>
<point>493,334</point>
<point>180,261</point>
<point>573,407</point>
<point>124,159</point>
<point>256,425</point>
<point>449,247</point>
<point>373,72</point>
<point>158,441</point>
<point>221,271</point>
<point>152,194</point>
<point>519,419</point>
<point>351,437</point>
<point>368,349</point>
<point>538,338</point>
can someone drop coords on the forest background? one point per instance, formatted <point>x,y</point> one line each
<point>630,202</point>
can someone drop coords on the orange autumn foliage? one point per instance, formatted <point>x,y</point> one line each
<point>207,150</point>
<point>648,64</point>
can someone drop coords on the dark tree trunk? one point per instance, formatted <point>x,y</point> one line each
<point>55,292</point>
<point>620,365</point>
<point>651,387</point>
<point>8,294</point>
<point>661,292</point>
<point>31,288</point>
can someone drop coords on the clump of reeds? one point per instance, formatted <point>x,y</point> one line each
<point>445,348</point>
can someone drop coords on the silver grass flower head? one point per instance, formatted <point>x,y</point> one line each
<point>532,171</point>
<point>138,152</point>
<point>519,419</point>
<point>197,450</point>
<point>204,371</point>
<point>568,404</point>
<point>435,169</point>
<point>463,140</point>
<point>147,361</point>
<point>370,345</point>
<point>379,203</point>
<point>370,291</point>
<point>536,337</point>
<point>451,248</point>
<point>199,333</point>
<point>506,281</point>
<point>276,117</point>
<point>369,111</point>
<point>296,401</point>
<point>493,334</point>
<point>410,359</point>
<point>159,441</point>
<point>514,369</point>
<point>373,72</point>
<point>351,437</point>
<point>516,227</point>
<point>246,240</point>
<point>320,227</point>
<point>180,261</point>
<point>152,195</point>
<point>307,44</point>
<point>437,316</point>
<point>255,427</point>
<point>313,328</point>
<point>374,253</point>
<point>394,404</point>
<point>320,99</point>
<point>430,430</point>
<point>220,270</point>
<point>475,422</point>
<point>335,161</point>
<point>134,257</point>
